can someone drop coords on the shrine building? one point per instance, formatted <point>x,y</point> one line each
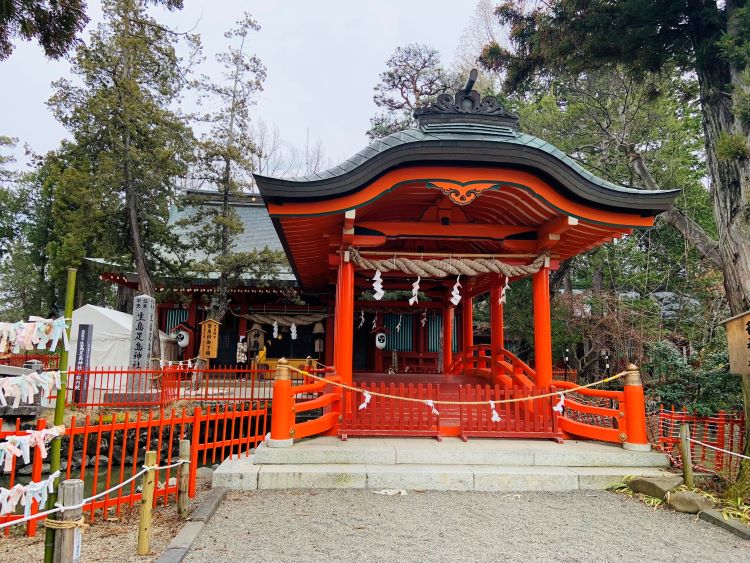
<point>399,240</point>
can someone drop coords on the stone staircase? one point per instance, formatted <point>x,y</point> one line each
<point>450,465</point>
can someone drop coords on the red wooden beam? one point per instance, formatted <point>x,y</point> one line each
<point>402,229</point>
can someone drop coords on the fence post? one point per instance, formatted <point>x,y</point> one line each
<point>183,479</point>
<point>635,411</point>
<point>147,502</point>
<point>282,434</point>
<point>687,458</point>
<point>68,540</point>
<point>194,450</point>
<point>36,476</point>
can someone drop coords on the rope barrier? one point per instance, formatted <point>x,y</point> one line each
<point>442,402</point>
<point>717,449</point>
<point>84,502</point>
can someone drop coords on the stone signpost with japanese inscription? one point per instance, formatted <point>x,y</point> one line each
<point>141,340</point>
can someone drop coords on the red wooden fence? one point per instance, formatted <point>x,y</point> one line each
<point>385,416</point>
<point>128,388</point>
<point>531,418</point>
<point>107,450</point>
<point>49,361</point>
<point>722,430</point>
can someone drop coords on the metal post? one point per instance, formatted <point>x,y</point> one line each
<point>54,455</point>
<point>68,540</point>
<point>147,502</point>
<point>687,458</point>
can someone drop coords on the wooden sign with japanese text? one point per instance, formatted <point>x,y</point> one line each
<point>209,347</point>
<point>738,338</point>
<point>142,333</point>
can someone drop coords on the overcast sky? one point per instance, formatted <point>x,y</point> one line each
<point>323,59</point>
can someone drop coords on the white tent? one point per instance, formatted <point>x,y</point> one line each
<point>110,345</point>
<point>110,350</point>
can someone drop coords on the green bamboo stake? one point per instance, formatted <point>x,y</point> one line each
<point>54,456</point>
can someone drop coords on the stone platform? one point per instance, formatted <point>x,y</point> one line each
<point>450,465</point>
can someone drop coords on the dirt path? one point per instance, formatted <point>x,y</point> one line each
<point>360,525</point>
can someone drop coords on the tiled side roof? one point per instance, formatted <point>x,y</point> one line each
<point>258,233</point>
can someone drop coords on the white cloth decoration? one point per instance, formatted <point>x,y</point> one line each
<point>25,387</point>
<point>275,329</point>
<point>26,494</point>
<point>430,404</point>
<point>361,319</point>
<point>367,397</point>
<point>558,408</point>
<point>398,326</point>
<point>415,292</point>
<point>293,331</point>
<point>456,294</point>
<point>495,417</point>
<point>20,445</point>
<point>377,285</point>
<point>503,292</point>
<point>423,320</point>
<point>375,322</point>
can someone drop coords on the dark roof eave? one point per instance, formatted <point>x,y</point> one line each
<point>468,152</point>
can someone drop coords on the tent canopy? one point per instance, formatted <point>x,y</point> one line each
<point>110,345</point>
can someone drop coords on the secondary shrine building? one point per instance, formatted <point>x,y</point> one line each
<point>400,239</point>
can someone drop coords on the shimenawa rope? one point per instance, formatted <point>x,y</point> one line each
<point>446,267</point>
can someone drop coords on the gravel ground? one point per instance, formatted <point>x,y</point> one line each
<point>111,541</point>
<point>431,526</point>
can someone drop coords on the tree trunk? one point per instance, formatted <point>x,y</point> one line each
<point>730,191</point>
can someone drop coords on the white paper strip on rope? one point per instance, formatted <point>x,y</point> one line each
<point>504,292</point>
<point>415,292</point>
<point>377,286</point>
<point>36,333</point>
<point>20,445</point>
<point>26,494</point>
<point>25,387</point>
<point>455,293</point>
<point>560,406</point>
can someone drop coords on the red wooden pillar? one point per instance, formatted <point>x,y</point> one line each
<point>497,330</point>
<point>447,337</point>
<point>468,322</point>
<point>542,328</point>
<point>344,333</point>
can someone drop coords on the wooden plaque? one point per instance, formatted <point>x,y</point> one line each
<point>209,347</point>
<point>738,337</point>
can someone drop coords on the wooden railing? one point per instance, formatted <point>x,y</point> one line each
<point>607,415</point>
<point>508,369</point>
<point>530,418</point>
<point>386,416</point>
<point>291,401</point>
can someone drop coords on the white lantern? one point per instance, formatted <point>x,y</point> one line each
<point>380,340</point>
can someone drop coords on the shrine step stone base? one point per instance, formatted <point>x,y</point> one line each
<point>399,464</point>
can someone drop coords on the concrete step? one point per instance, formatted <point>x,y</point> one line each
<point>244,474</point>
<point>452,451</point>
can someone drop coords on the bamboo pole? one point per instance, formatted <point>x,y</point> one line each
<point>68,540</point>
<point>147,502</point>
<point>687,458</point>
<point>54,456</point>
<point>183,479</point>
